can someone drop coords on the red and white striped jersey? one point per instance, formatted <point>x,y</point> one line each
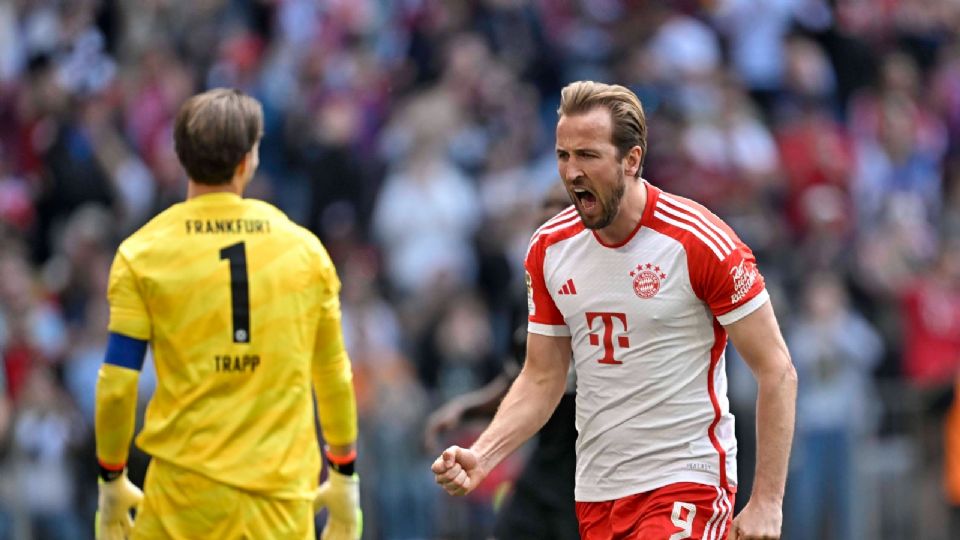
<point>646,323</point>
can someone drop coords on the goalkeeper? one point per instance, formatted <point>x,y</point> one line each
<point>240,308</point>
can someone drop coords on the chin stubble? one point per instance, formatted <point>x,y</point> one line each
<point>610,206</point>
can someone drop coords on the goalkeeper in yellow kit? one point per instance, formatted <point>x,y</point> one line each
<point>240,307</point>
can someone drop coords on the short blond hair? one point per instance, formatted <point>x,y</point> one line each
<point>629,120</point>
<point>214,131</point>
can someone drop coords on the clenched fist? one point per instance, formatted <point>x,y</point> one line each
<point>458,470</point>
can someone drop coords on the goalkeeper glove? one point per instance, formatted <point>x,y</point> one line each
<point>117,498</point>
<point>340,494</point>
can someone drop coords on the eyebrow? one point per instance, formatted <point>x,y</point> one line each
<point>580,149</point>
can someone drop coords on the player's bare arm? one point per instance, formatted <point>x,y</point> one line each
<point>758,340</point>
<point>526,407</point>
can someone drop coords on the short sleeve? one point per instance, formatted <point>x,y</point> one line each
<point>128,310</point>
<point>732,286</point>
<point>543,315</point>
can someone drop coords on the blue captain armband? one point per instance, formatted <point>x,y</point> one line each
<point>124,351</point>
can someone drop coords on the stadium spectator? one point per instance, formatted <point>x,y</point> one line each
<point>835,351</point>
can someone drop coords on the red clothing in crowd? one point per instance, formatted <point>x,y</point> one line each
<point>931,322</point>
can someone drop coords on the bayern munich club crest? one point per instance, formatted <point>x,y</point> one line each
<point>647,279</point>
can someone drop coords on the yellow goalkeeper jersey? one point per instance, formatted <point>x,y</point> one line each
<point>228,292</point>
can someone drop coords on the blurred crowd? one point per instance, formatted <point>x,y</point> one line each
<point>415,138</point>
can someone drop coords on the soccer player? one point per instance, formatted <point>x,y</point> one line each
<point>644,288</point>
<point>240,307</point>
<point>541,504</point>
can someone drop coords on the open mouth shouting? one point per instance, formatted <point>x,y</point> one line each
<point>586,199</point>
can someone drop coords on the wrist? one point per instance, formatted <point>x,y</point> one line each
<point>485,462</point>
<point>766,501</point>
<point>108,472</point>
<point>344,464</point>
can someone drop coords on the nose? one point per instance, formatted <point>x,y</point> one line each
<point>570,170</point>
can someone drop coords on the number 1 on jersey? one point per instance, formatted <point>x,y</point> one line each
<point>239,290</point>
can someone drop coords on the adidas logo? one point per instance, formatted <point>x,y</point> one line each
<point>568,288</point>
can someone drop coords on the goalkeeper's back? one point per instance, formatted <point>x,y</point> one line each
<point>240,306</point>
<point>229,292</point>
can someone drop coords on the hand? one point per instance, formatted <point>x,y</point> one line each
<point>444,419</point>
<point>757,521</point>
<point>458,470</point>
<point>117,497</point>
<point>340,494</point>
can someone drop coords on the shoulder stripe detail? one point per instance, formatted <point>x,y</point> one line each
<point>572,220</point>
<point>696,223</point>
<point>691,229</point>
<point>555,220</point>
<point>547,228</point>
<point>729,241</point>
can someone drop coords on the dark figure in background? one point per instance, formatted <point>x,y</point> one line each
<point>541,503</point>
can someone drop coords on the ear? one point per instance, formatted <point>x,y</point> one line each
<point>241,168</point>
<point>632,162</point>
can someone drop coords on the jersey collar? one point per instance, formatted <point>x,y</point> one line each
<point>652,195</point>
<point>216,197</point>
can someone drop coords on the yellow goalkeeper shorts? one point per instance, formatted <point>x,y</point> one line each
<point>179,503</point>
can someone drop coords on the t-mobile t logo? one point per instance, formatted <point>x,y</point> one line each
<point>606,319</point>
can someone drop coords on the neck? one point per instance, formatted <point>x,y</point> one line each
<point>196,189</point>
<point>631,211</point>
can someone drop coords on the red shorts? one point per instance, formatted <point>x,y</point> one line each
<point>672,512</point>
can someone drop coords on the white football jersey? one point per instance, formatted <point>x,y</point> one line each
<point>646,320</point>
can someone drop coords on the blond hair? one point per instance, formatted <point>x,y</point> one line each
<point>629,121</point>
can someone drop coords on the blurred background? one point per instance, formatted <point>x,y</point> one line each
<point>415,137</point>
